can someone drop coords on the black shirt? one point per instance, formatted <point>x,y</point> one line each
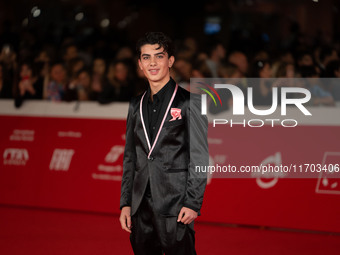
<point>157,107</point>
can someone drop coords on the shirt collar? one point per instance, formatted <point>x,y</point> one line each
<point>160,95</point>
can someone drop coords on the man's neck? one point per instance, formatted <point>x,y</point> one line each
<point>157,86</point>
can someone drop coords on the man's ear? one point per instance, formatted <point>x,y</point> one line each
<point>171,61</point>
<point>140,64</point>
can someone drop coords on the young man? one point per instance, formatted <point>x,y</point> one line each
<point>166,137</point>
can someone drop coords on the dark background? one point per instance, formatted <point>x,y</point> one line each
<point>247,25</point>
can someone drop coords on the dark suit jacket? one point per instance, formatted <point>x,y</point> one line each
<point>170,162</point>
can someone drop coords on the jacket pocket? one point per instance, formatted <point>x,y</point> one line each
<point>176,170</point>
<point>173,123</point>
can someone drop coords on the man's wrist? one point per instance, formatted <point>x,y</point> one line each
<point>122,206</point>
<point>191,207</point>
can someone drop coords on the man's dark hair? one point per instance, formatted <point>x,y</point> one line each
<point>156,38</point>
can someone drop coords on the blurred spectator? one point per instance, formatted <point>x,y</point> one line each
<point>261,55</point>
<point>333,71</point>
<point>262,69</point>
<point>183,69</point>
<point>57,86</point>
<point>8,69</point>
<point>262,88</point>
<point>83,85</point>
<point>121,83</point>
<point>99,79</point>
<point>287,57</point>
<point>8,57</point>
<point>229,70</point>
<point>141,82</point>
<point>327,54</point>
<point>200,69</point>
<point>240,60</point>
<point>71,52</point>
<point>216,52</point>
<point>319,95</point>
<point>191,46</point>
<point>285,70</point>
<point>124,53</point>
<point>5,82</point>
<point>43,57</point>
<point>43,60</point>
<point>76,65</point>
<point>30,84</point>
<point>305,58</point>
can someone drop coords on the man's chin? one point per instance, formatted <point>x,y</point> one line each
<point>154,79</point>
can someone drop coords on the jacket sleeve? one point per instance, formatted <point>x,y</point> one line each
<point>129,160</point>
<point>197,126</point>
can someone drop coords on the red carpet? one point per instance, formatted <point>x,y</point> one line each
<point>47,232</point>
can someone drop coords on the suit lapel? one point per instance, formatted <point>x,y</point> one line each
<point>144,119</point>
<point>146,115</point>
<point>163,111</point>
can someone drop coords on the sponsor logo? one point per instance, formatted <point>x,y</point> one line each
<point>22,135</point>
<point>112,173</point>
<point>15,156</point>
<point>106,177</point>
<point>327,182</point>
<point>269,179</point>
<point>110,169</point>
<point>61,159</point>
<point>114,153</point>
<point>69,134</point>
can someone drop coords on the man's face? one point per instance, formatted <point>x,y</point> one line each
<point>155,64</point>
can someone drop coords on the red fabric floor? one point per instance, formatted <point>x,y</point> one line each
<point>48,232</point>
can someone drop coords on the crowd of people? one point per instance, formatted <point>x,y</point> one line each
<point>68,72</point>
<point>74,76</point>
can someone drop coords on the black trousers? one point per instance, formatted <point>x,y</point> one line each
<point>154,234</point>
